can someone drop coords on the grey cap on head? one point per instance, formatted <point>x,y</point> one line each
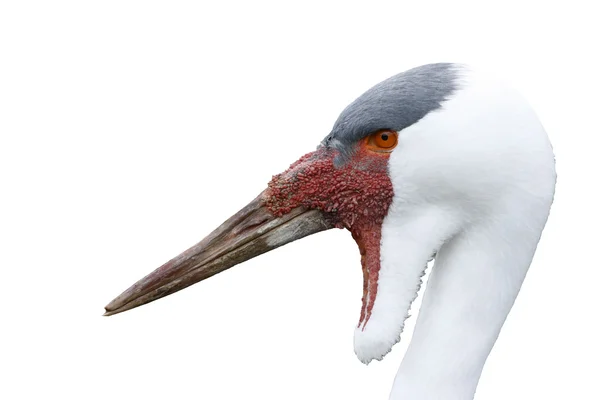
<point>395,104</point>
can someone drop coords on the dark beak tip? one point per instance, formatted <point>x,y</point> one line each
<point>110,307</point>
<point>108,312</point>
<point>114,307</point>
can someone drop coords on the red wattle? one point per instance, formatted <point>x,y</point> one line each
<point>356,196</point>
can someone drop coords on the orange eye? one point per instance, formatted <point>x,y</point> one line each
<point>382,141</point>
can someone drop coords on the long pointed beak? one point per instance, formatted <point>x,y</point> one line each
<point>252,231</point>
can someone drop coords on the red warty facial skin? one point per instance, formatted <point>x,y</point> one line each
<point>356,196</point>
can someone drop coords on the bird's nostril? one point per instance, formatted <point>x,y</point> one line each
<point>254,221</point>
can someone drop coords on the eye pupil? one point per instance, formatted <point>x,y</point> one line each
<point>382,141</point>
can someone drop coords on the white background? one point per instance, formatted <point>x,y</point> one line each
<point>129,130</point>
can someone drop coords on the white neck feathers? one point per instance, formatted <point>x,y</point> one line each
<point>474,182</point>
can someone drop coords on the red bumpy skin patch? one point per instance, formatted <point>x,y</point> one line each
<point>356,196</point>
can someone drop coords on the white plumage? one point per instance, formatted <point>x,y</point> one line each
<point>473,182</point>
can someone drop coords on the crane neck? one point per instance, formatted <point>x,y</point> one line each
<point>475,280</point>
